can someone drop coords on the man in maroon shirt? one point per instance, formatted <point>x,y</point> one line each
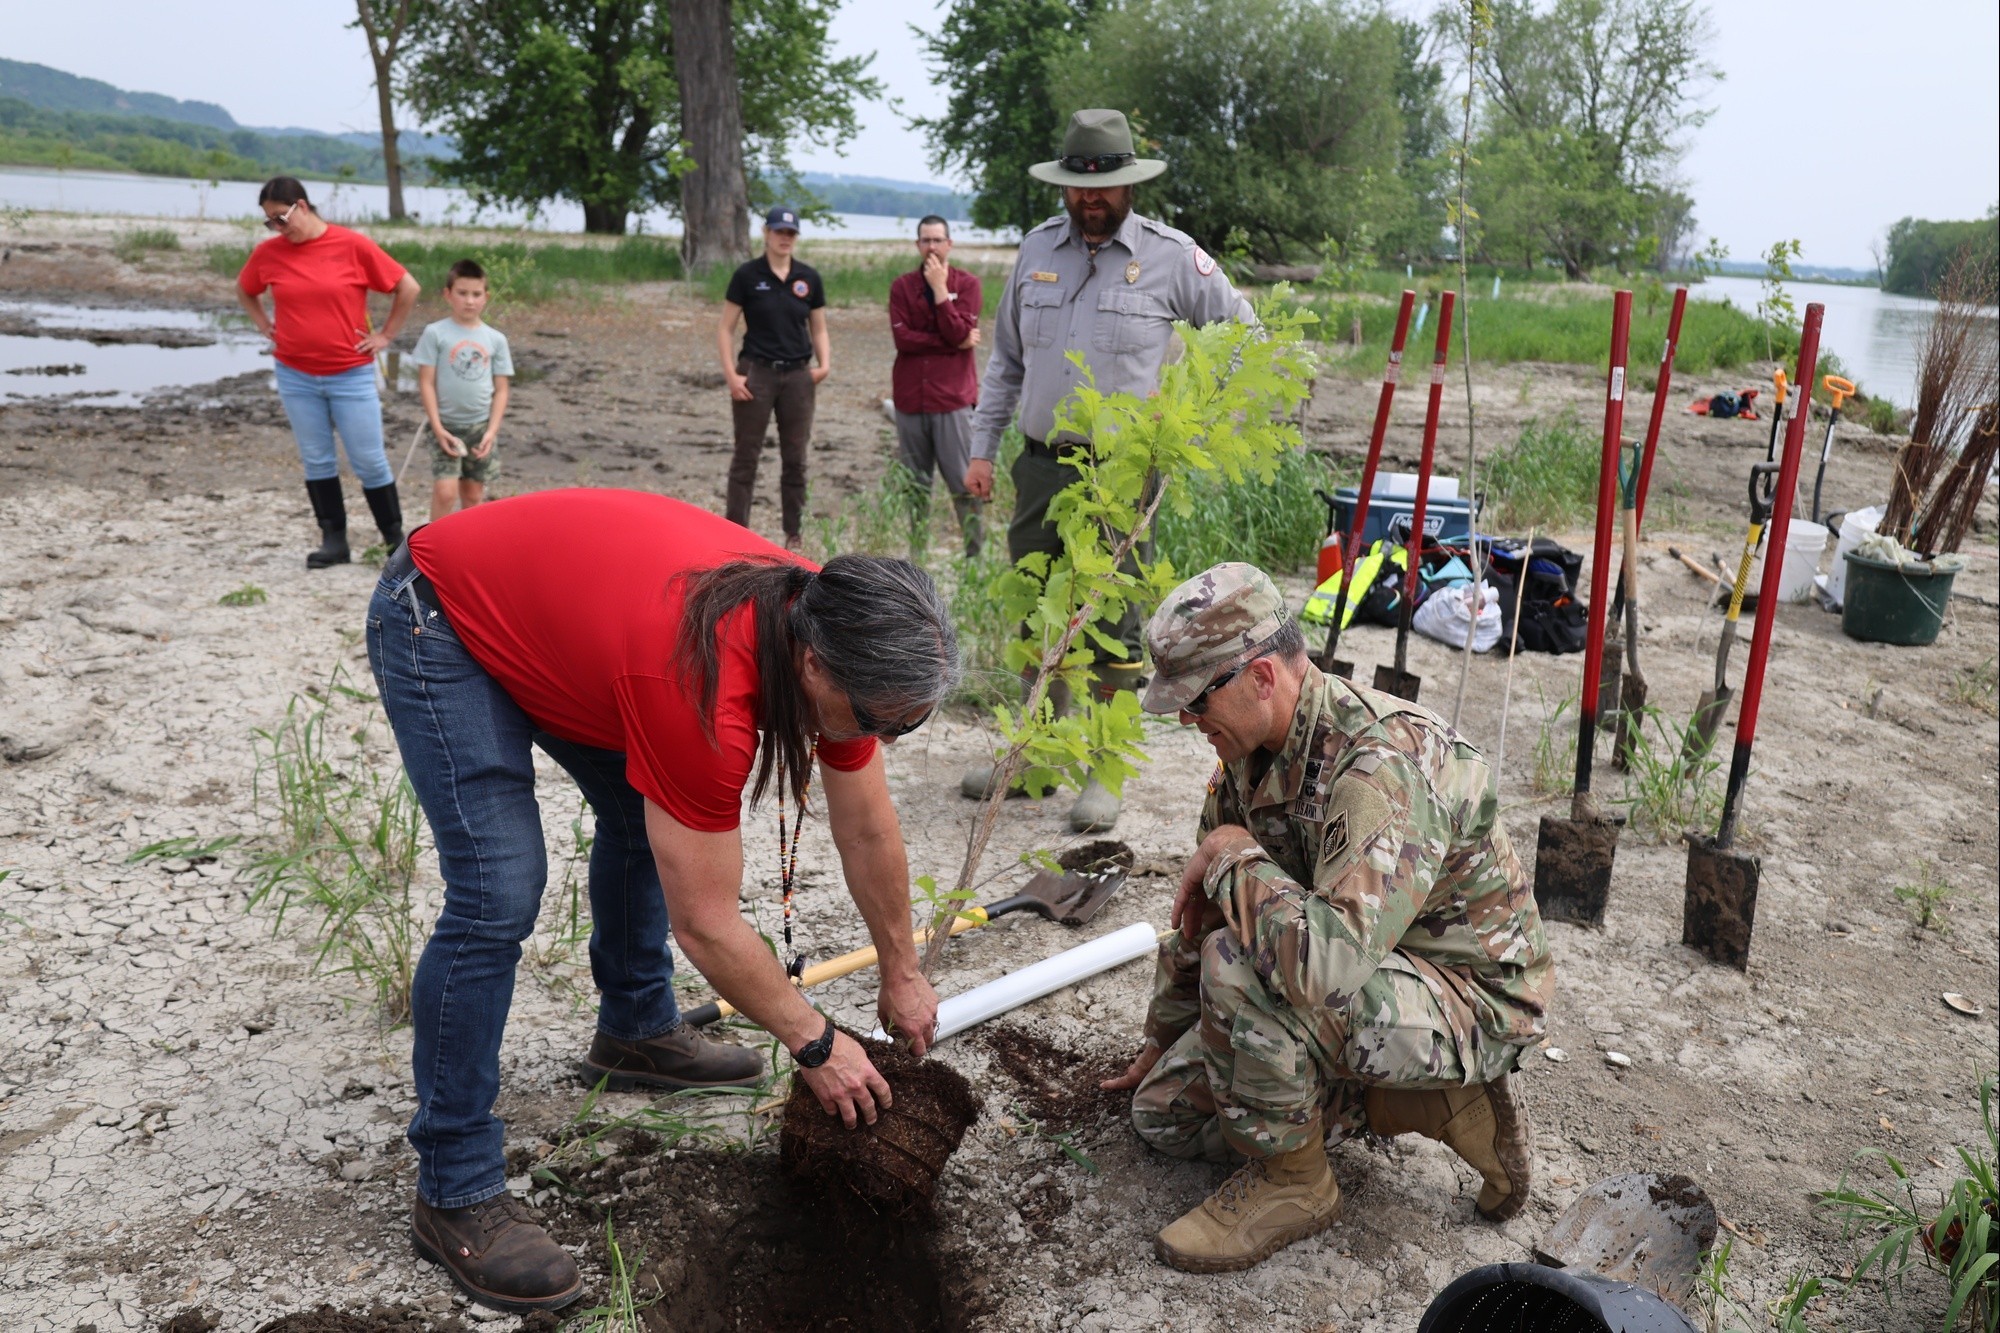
<point>934,315</point>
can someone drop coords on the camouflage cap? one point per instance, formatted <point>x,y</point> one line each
<point>1220,618</point>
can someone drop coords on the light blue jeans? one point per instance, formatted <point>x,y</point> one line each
<point>319,405</point>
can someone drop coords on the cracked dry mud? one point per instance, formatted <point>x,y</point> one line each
<point>196,1126</point>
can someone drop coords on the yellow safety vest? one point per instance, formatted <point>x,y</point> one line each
<point>1319,607</point>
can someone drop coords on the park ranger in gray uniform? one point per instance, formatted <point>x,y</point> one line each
<point>1101,280</point>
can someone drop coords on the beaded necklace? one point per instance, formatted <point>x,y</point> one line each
<point>788,858</point>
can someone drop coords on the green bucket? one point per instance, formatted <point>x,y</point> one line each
<point>1887,603</point>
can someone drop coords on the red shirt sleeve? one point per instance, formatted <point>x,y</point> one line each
<point>251,281</point>
<point>847,756</point>
<point>670,762</point>
<point>956,318</point>
<point>378,269</point>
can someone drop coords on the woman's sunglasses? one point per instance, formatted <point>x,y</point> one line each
<point>278,223</point>
<point>870,725</point>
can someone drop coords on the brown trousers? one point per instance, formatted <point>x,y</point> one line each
<point>790,394</point>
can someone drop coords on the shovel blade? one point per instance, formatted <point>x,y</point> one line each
<point>1642,1228</point>
<point>1721,903</point>
<point>1708,715</point>
<point>1609,683</point>
<point>1402,684</point>
<point>1343,669</point>
<point>1573,867</point>
<point>1090,875</point>
<point>1631,721</point>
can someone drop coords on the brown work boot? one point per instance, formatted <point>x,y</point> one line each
<point>497,1255</point>
<point>1269,1203</point>
<point>1483,1124</point>
<point>673,1060</point>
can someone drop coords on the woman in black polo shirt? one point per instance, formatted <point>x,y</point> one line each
<point>782,306</point>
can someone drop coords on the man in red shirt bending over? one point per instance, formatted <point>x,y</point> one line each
<point>934,315</point>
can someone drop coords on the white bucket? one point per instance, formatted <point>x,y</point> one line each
<point>1805,543</point>
<point>1858,524</point>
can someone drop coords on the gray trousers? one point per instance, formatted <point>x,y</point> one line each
<point>941,441</point>
<point>788,394</point>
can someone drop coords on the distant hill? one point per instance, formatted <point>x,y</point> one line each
<point>1737,268</point>
<point>886,198</point>
<point>53,90</point>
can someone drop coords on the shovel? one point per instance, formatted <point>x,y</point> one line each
<point>1359,523</point>
<point>1721,903</point>
<point>1397,680</point>
<point>1632,691</point>
<point>1714,702</point>
<point>1573,856</point>
<point>1610,693</point>
<point>1072,898</point>
<point>1842,390</point>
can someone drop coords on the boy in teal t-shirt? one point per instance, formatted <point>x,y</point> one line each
<point>463,367</point>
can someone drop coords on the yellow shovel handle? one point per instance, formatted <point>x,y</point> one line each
<point>857,959</point>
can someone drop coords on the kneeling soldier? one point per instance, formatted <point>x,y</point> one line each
<point>1355,945</point>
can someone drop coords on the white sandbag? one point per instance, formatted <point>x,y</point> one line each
<point>1445,614</point>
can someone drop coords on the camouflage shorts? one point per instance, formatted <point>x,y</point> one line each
<point>1250,1078</point>
<point>444,467</point>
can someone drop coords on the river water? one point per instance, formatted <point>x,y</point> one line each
<point>169,197</point>
<point>1875,333</point>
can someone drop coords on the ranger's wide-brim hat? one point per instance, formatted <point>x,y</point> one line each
<point>1097,150</point>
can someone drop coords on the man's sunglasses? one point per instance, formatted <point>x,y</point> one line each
<point>870,725</point>
<point>278,223</point>
<point>1102,162</point>
<point>1198,705</point>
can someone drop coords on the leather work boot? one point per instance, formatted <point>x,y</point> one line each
<point>1096,809</point>
<point>1483,1124</point>
<point>329,507</point>
<point>496,1254</point>
<point>673,1060</point>
<point>1269,1203</point>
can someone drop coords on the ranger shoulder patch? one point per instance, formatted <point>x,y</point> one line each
<point>1203,264</point>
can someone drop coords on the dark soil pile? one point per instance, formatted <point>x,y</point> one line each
<point>727,1243</point>
<point>1058,1087</point>
<point>892,1166</point>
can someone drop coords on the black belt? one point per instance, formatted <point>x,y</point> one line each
<point>769,364</point>
<point>402,563</point>
<point>1040,449</point>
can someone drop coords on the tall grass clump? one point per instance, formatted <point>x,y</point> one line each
<point>341,849</point>
<point>1548,477</point>
<point>1276,527</point>
<point>1670,785</point>
<point>133,246</point>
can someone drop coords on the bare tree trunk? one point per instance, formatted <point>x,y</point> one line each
<point>715,198</point>
<point>383,21</point>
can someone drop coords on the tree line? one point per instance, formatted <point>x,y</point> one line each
<point>1294,127</point>
<point>1919,252</point>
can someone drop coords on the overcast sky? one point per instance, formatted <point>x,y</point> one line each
<point>1836,116</point>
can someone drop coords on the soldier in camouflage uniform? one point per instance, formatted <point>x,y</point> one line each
<point>1356,946</point>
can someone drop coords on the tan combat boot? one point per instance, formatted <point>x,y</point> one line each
<point>1269,1203</point>
<point>1483,1124</point>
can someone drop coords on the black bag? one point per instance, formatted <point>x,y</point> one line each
<point>1552,619</point>
<point>1724,405</point>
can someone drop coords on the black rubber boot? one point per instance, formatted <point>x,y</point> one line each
<point>387,506</point>
<point>330,508</point>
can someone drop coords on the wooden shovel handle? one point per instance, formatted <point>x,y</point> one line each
<point>854,961</point>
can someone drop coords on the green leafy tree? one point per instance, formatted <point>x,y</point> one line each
<point>1278,117</point>
<point>578,99</point>
<point>1413,230</point>
<point>1775,307</point>
<point>1920,251</point>
<point>1586,107</point>
<point>998,59</point>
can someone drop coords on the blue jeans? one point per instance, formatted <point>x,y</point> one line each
<point>466,746</point>
<point>319,405</point>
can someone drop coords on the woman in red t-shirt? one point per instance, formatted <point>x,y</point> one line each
<point>319,277</point>
<point>668,660</point>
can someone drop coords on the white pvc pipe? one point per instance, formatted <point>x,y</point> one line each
<point>1034,981</point>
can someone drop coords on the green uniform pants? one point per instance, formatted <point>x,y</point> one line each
<point>1038,479</point>
<point>1252,1074</point>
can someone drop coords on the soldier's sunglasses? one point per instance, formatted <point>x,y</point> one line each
<point>1101,162</point>
<point>870,725</point>
<point>1198,706</point>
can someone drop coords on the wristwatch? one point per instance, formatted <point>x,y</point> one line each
<point>815,1052</point>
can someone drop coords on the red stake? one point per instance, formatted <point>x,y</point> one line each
<point>1401,683</point>
<point>1359,523</point>
<point>1660,397</point>
<point>1600,551</point>
<point>1767,592</point>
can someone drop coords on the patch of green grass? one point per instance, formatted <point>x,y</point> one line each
<point>1547,478</point>
<point>621,1311</point>
<point>1555,746</point>
<point>1276,527</point>
<point>516,271</point>
<point>247,595</point>
<point>1928,897</point>
<point>851,279</point>
<point>1975,687</point>
<point>183,849</point>
<point>342,848</point>
<point>1669,784</point>
<point>133,246</point>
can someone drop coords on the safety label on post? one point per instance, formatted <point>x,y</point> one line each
<point>1394,374</point>
<point>1617,384</point>
<point>1437,372</point>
